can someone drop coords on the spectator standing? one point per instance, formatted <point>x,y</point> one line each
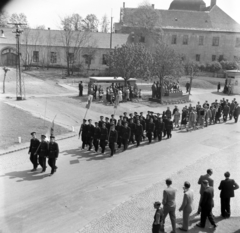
<point>80,87</point>
<point>120,95</point>
<point>218,87</point>
<point>227,188</point>
<point>169,204</point>
<point>158,216</point>
<point>176,118</point>
<point>187,205</point>
<point>236,113</point>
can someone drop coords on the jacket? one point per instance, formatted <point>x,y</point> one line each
<point>207,198</point>
<point>43,149</point>
<point>226,110</point>
<point>169,195</point>
<point>160,127</point>
<point>104,134</point>
<point>227,188</point>
<point>53,150</point>
<point>90,131</point>
<point>201,179</point>
<point>97,133</point>
<point>150,127</point>
<point>113,136</point>
<point>126,133</point>
<point>187,204</point>
<point>139,130</point>
<point>34,143</point>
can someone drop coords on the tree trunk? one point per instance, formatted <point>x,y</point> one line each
<point>4,79</point>
<point>190,87</point>
<point>161,90</point>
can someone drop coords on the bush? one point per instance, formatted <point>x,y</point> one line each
<point>215,66</point>
<point>229,65</point>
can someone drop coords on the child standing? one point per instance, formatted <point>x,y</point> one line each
<point>158,218</point>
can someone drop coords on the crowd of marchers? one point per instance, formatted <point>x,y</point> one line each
<point>134,128</point>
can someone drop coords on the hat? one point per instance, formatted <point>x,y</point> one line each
<point>130,114</point>
<point>151,112</point>
<point>84,120</point>
<point>106,118</point>
<point>157,203</point>
<point>43,136</point>
<point>124,113</point>
<point>141,112</point>
<point>158,114</point>
<point>89,120</point>
<point>52,136</point>
<point>101,116</point>
<point>120,116</point>
<point>112,115</point>
<point>32,133</point>
<point>135,113</point>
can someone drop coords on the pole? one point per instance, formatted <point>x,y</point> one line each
<point>111,32</point>
<point>45,112</point>
<point>85,113</point>
<point>19,69</point>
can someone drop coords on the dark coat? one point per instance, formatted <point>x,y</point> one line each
<point>53,150</point>
<point>34,143</point>
<point>113,136</point>
<point>132,126</point>
<point>207,198</point>
<point>84,130</point>
<point>43,149</point>
<point>150,127</point>
<point>97,133</point>
<point>169,125</point>
<point>139,130</point>
<point>104,134</point>
<point>90,131</point>
<point>108,125</point>
<point>100,124</point>
<point>119,129</point>
<point>126,133</point>
<point>160,126</point>
<point>143,123</point>
<point>227,188</point>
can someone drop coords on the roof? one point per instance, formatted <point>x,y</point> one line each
<point>111,79</point>
<point>55,38</point>
<point>213,20</point>
<point>194,5</point>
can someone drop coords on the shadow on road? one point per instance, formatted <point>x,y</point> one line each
<point>218,93</point>
<point>26,175</point>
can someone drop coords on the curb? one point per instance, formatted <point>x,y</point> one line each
<point>26,147</point>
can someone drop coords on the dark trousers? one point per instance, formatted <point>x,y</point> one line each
<point>34,160</point>
<point>52,164</point>
<point>42,162</point>
<point>169,133</point>
<point>224,118</point>
<point>207,213</point>
<point>125,143</point>
<point>155,134</point>
<point>149,135</point>
<point>103,145</point>
<point>80,92</point>
<point>138,139</point>
<point>119,142</point>
<point>236,119</point>
<point>112,147</point>
<point>156,228</point>
<point>96,144</point>
<point>84,141</point>
<point>90,140</point>
<point>131,139</point>
<point>225,207</point>
<point>159,135</point>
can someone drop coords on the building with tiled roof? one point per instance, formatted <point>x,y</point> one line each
<point>190,27</point>
<point>49,48</point>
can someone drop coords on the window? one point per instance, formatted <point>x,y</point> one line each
<point>201,39</point>
<point>142,39</point>
<point>88,59</point>
<point>53,57</point>
<point>221,58</point>
<point>237,42</point>
<point>197,57</point>
<point>214,57</point>
<point>104,59</point>
<point>185,39</point>
<point>71,58</point>
<point>215,41</point>
<point>35,56</point>
<point>174,39</point>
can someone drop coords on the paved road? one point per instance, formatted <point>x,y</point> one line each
<point>88,185</point>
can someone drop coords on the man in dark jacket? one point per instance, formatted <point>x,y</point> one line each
<point>119,129</point>
<point>207,205</point>
<point>227,188</point>
<point>169,128</point>
<point>107,123</point>
<point>103,137</point>
<point>138,132</point>
<point>90,133</point>
<point>226,110</point>
<point>132,126</point>
<point>100,122</point>
<point>34,144</point>
<point>160,129</point>
<point>150,130</point>
<point>43,152</point>
<point>83,130</point>
<point>236,113</point>
<point>96,136</point>
<point>126,133</point>
<point>80,87</point>
<point>53,152</point>
<point>113,137</point>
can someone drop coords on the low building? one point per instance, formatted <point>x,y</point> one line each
<point>201,33</point>
<point>56,48</point>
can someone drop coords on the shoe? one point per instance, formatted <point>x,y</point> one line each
<point>214,226</point>
<point>181,229</point>
<point>34,169</point>
<point>43,170</point>
<point>199,225</point>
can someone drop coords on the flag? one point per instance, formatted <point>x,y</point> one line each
<point>116,101</point>
<point>50,131</point>
<point>90,98</point>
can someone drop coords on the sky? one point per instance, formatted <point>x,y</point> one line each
<point>50,12</point>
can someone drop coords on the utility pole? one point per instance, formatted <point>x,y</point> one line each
<point>20,85</point>
<point>111,32</point>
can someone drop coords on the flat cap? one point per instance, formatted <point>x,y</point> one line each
<point>33,133</point>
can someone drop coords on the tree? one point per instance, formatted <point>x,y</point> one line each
<point>90,23</point>
<point>5,69</point>
<point>73,42</point>
<point>191,69</point>
<point>105,24</point>
<point>89,55</point>
<point>4,18</point>
<point>19,18</point>
<point>129,61</point>
<point>215,67</point>
<point>165,63</point>
<point>77,22</point>
<point>40,27</point>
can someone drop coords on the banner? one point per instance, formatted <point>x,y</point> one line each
<point>50,130</point>
<point>90,98</point>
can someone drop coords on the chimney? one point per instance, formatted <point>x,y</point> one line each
<point>153,6</point>
<point>213,3</point>
<point>123,5</point>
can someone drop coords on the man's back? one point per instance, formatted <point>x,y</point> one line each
<point>207,198</point>
<point>169,195</point>
<point>227,188</point>
<point>201,179</point>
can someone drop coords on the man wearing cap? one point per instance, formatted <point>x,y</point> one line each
<point>103,137</point>
<point>125,115</point>
<point>107,123</point>
<point>53,152</point>
<point>132,126</point>
<point>114,121</point>
<point>101,122</point>
<point>227,188</point>
<point>83,130</point>
<point>207,205</point>
<point>141,115</point>
<point>80,87</point>
<point>200,182</point>
<point>138,132</point>
<point>130,117</point>
<point>96,137</point>
<point>113,137</point>
<point>150,129</point>
<point>143,123</point>
<point>34,144</point>
<point>160,128</point>
<point>90,134</point>
<point>119,129</point>
<point>236,112</point>
<point>126,133</point>
<point>43,152</point>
